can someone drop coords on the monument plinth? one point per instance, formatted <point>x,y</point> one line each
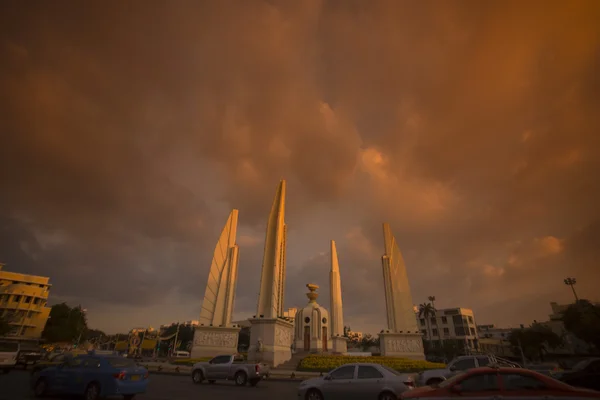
<point>402,337</point>
<point>211,341</point>
<point>270,341</point>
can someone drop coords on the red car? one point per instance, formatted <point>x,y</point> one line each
<point>501,383</point>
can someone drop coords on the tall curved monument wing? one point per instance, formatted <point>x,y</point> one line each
<point>219,296</point>
<point>398,299</point>
<point>335,294</point>
<point>272,279</point>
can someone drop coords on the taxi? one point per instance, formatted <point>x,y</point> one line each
<point>94,376</point>
<point>53,359</point>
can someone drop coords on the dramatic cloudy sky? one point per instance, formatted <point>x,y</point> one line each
<point>129,129</point>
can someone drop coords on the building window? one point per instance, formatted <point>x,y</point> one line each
<point>432,320</point>
<point>424,331</point>
<point>470,319</point>
<point>457,320</point>
<point>27,299</point>
<point>422,321</point>
<point>459,331</point>
<point>444,320</point>
<point>17,298</point>
<point>472,331</point>
<point>434,332</point>
<point>446,332</point>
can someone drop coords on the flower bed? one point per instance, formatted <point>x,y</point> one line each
<point>190,361</point>
<point>317,363</point>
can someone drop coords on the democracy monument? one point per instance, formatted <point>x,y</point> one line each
<point>314,329</point>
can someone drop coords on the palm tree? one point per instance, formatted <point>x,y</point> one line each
<point>571,282</point>
<point>426,310</point>
<point>432,300</point>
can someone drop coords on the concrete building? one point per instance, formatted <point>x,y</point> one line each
<point>402,338</point>
<point>451,324</point>
<point>23,301</point>
<point>494,340</point>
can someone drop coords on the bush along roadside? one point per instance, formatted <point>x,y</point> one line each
<point>317,363</point>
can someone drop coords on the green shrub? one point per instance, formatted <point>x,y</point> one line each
<point>318,363</point>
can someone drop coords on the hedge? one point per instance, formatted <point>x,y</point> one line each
<point>321,363</point>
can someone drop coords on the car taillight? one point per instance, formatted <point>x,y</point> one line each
<point>410,384</point>
<point>256,368</point>
<point>146,375</point>
<point>120,376</point>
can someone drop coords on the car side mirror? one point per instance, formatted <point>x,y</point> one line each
<point>456,389</point>
<point>327,377</point>
<point>452,368</point>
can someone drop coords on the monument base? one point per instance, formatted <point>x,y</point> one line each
<point>405,345</point>
<point>339,344</point>
<point>211,341</point>
<point>270,341</point>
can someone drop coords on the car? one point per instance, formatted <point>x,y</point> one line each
<point>501,383</point>
<point>459,364</point>
<point>53,359</point>
<point>366,381</point>
<point>9,352</point>
<point>585,374</point>
<point>229,367</point>
<point>29,354</point>
<point>93,376</point>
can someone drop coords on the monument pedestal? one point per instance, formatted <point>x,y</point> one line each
<point>275,337</point>
<point>405,345</point>
<point>339,344</point>
<point>211,341</point>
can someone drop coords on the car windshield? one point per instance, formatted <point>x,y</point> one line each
<point>9,347</point>
<point>122,362</point>
<point>451,381</point>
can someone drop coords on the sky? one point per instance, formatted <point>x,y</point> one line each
<point>129,130</point>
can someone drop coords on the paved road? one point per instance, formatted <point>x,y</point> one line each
<point>15,386</point>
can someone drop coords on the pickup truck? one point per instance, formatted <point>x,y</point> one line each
<point>28,355</point>
<point>229,367</point>
<point>460,364</point>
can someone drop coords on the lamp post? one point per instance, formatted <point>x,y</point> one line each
<point>571,282</point>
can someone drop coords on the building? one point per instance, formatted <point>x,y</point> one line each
<point>451,324</point>
<point>23,301</point>
<point>494,340</point>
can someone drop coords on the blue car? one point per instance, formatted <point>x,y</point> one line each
<point>93,376</point>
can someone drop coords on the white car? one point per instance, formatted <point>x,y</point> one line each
<point>9,352</point>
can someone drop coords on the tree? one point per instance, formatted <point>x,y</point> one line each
<point>368,341</point>
<point>65,324</point>
<point>4,326</point>
<point>534,341</point>
<point>426,311</point>
<point>582,319</point>
<point>432,300</point>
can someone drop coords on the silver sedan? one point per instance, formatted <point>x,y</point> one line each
<point>357,381</point>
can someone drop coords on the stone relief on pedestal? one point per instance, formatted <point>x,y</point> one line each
<point>404,345</point>
<point>283,337</point>
<point>215,339</point>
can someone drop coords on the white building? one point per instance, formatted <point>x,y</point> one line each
<point>450,324</point>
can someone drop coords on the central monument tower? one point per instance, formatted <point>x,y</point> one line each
<point>270,334</point>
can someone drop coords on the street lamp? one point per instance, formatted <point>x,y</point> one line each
<point>571,282</point>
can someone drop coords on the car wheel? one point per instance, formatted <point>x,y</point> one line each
<point>240,378</point>
<point>197,377</point>
<point>313,394</point>
<point>41,388</point>
<point>92,392</point>
<point>387,396</point>
<point>434,381</point>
